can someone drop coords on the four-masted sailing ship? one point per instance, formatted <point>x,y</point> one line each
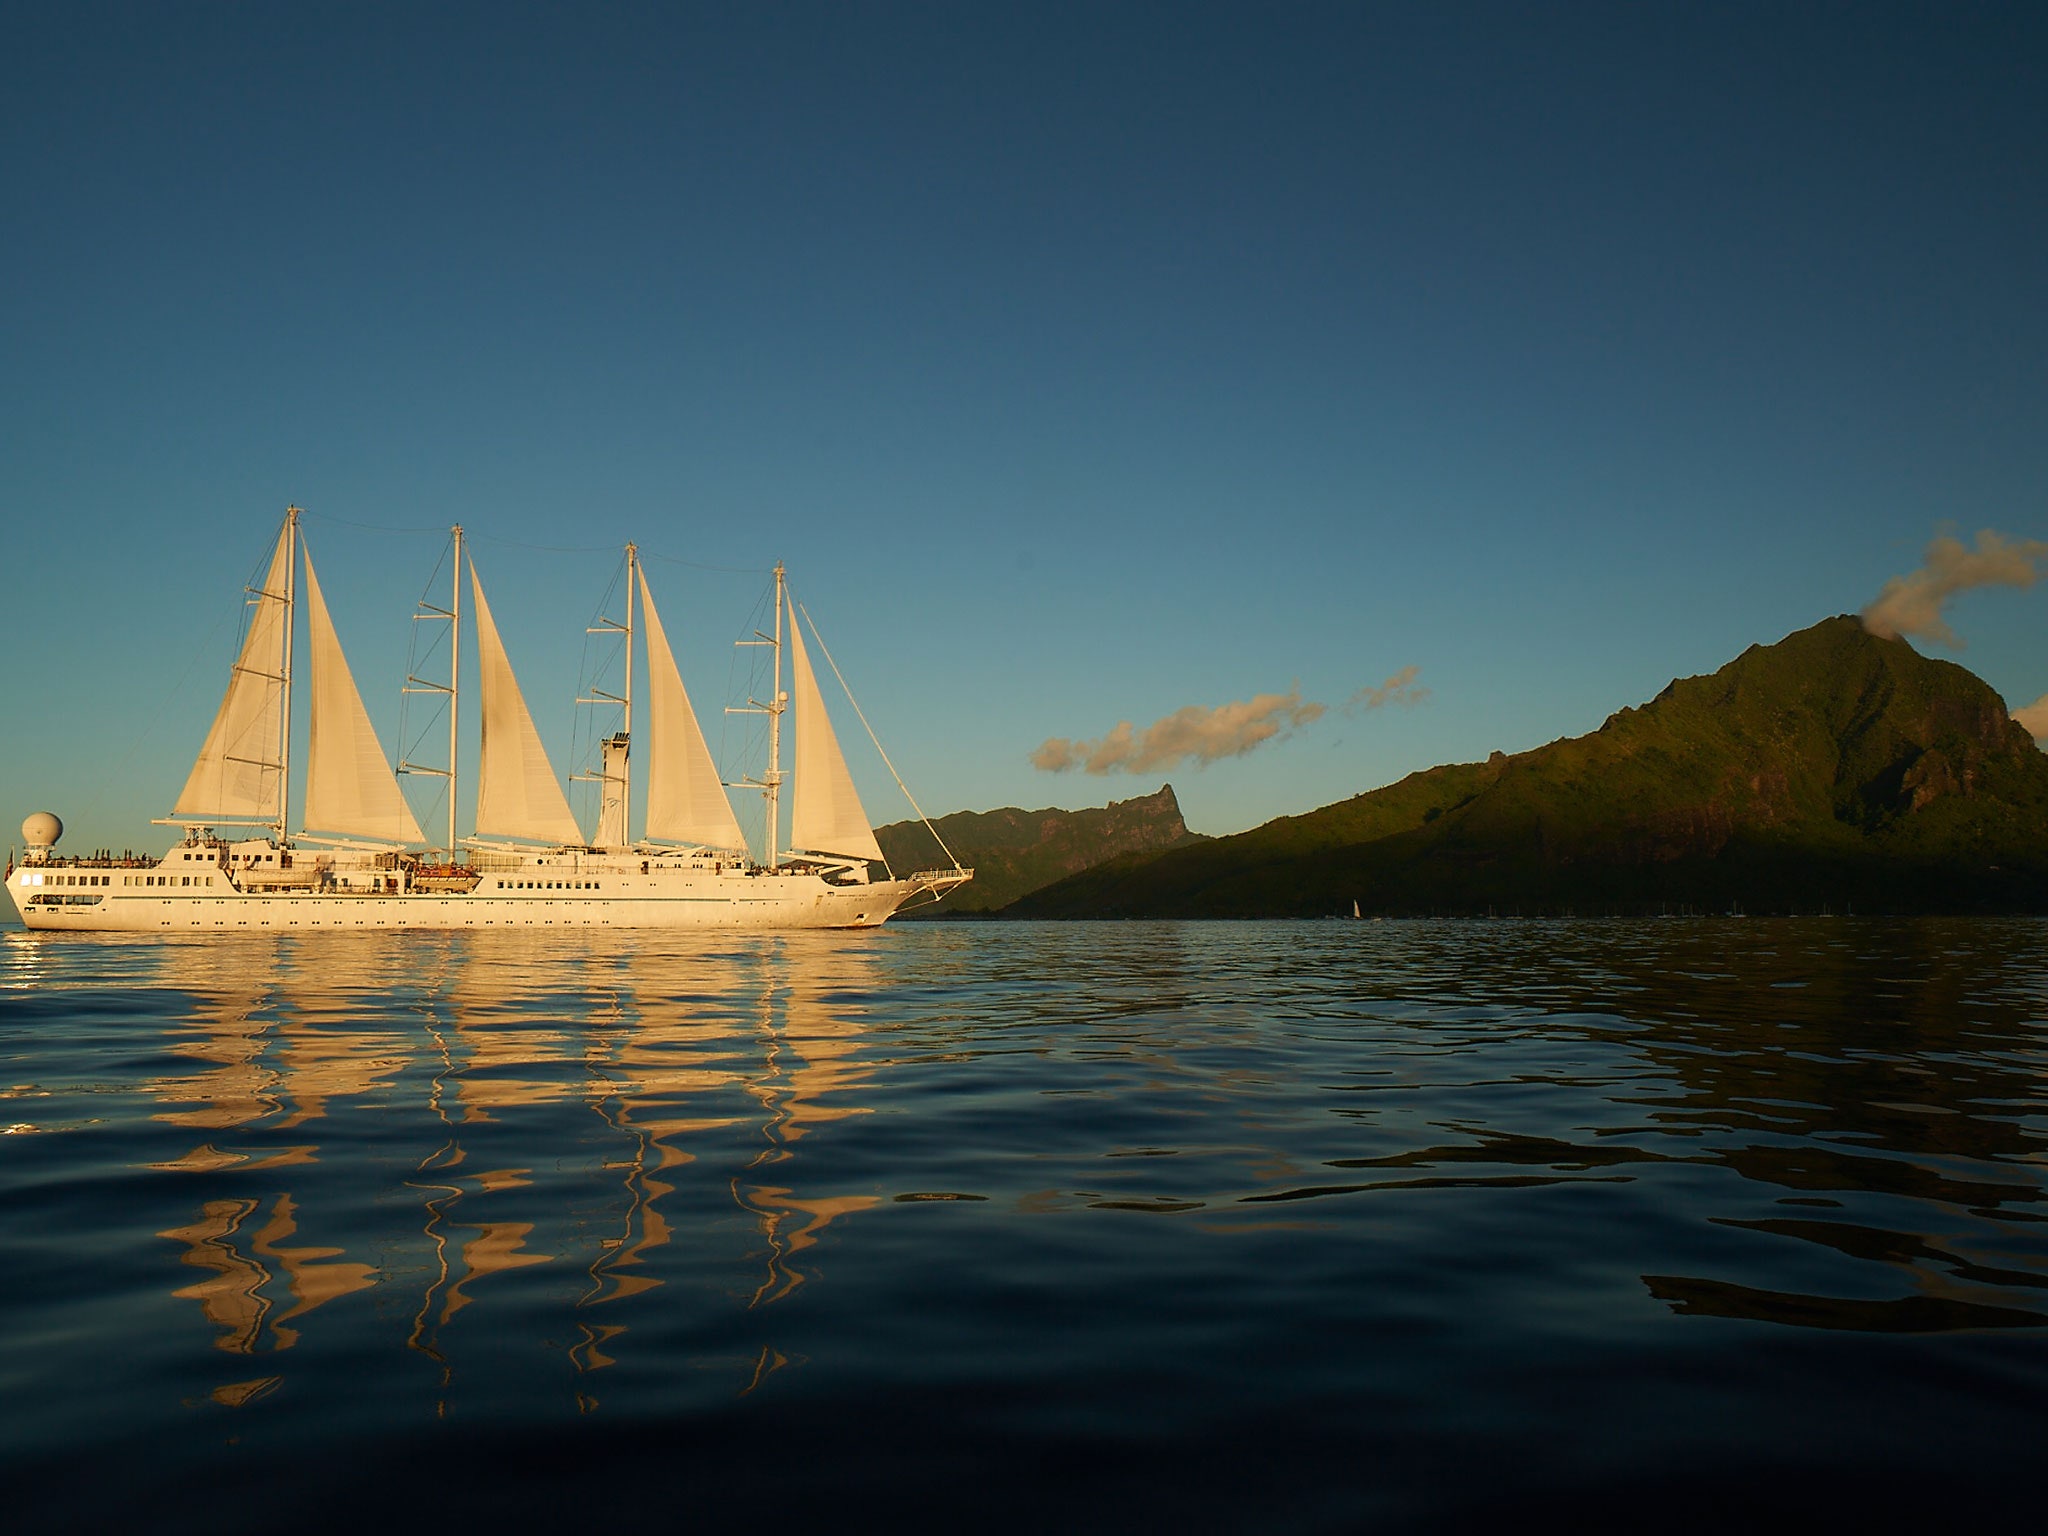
<point>359,858</point>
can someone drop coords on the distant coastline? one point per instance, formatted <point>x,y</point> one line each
<point>1833,773</point>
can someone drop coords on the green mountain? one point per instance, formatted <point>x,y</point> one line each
<point>1014,852</point>
<point>1833,770</point>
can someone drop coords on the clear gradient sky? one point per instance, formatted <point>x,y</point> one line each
<point>1085,363</point>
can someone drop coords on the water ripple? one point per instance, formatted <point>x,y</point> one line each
<point>1090,1197</point>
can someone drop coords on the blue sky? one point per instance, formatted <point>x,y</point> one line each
<point>1084,363</point>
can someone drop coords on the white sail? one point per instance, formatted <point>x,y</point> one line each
<point>517,794</point>
<point>239,775</point>
<point>686,803</point>
<point>350,788</point>
<point>825,814</point>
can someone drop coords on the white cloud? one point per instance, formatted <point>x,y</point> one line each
<point>1912,604</point>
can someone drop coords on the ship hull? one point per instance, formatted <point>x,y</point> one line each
<point>760,901</point>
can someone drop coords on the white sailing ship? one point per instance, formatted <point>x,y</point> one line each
<point>359,861</point>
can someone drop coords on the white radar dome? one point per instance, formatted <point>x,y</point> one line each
<point>42,830</point>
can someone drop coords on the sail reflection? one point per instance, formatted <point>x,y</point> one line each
<point>545,1108</point>
<point>814,1068</point>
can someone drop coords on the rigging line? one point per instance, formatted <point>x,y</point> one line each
<point>698,565</point>
<point>605,549</point>
<point>328,517</point>
<point>97,792</point>
<point>546,549</point>
<point>552,549</point>
<point>826,651</point>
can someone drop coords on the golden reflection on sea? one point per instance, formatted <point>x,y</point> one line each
<point>469,1037</point>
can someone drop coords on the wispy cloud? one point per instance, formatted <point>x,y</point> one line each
<point>1912,604</point>
<point>1195,734</point>
<point>2035,718</point>
<point>1398,689</point>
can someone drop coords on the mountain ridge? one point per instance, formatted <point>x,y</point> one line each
<point>1014,851</point>
<point>1834,768</point>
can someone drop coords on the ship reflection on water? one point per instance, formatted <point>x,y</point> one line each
<point>640,1065</point>
<point>1225,1225</point>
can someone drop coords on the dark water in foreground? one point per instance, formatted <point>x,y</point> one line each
<point>1683,1225</point>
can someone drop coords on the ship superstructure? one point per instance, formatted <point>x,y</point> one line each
<point>359,861</point>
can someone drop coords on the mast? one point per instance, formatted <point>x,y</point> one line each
<point>626,702</point>
<point>284,754</point>
<point>614,771</point>
<point>770,782</point>
<point>771,788</point>
<point>454,677</point>
<point>414,684</point>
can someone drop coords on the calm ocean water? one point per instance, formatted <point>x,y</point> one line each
<point>1316,1226</point>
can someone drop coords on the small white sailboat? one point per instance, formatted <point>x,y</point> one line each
<point>358,861</point>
